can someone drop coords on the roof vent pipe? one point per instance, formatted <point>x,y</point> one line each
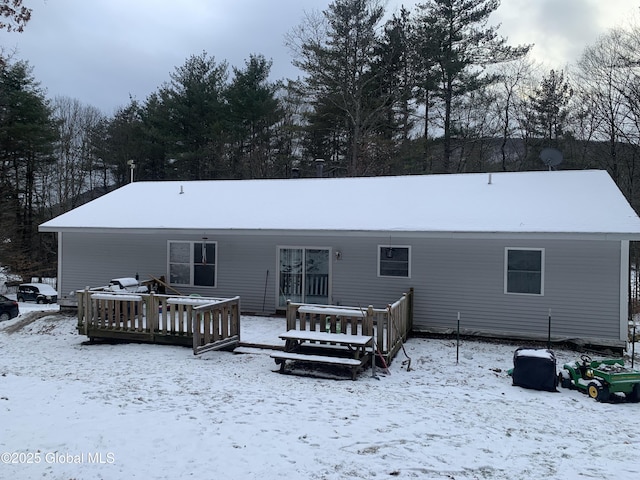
<point>489,179</point>
<point>319,167</point>
<point>181,190</point>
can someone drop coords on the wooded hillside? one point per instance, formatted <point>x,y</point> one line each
<point>431,90</point>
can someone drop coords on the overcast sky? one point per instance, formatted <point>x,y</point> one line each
<point>101,52</point>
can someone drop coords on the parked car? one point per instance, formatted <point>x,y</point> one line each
<point>8,308</point>
<point>37,292</point>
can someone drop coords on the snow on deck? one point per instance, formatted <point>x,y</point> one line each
<point>116,296</point>
<point>194,301</point>
<point>327,310</point>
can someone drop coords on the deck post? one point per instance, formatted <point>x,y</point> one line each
<point>410,312</point>
<point>152,315</point>
<point>88,313</point>
<point>369,321</point>
<point>195,321</point>
<point>291,316</point>
<point>81,312</point>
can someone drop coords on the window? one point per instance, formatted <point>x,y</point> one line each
<point>524,271</point>
<point>394,261</point>
<point>192,263</point>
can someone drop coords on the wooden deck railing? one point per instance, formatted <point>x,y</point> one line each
<point>389,326</point>
<point>205,323</point>
<point>398,323</point>
<point>219,325</point>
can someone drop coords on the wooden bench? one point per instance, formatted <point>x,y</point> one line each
<point>351,351</point>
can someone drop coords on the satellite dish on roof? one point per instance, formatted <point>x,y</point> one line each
<point>551,157</point>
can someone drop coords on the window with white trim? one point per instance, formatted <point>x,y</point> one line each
<point>192,263</point>
<point>524,271</point>
<point>394,261</point>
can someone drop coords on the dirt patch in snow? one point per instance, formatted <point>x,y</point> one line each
<point>28,319</point>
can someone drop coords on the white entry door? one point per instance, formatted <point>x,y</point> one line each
<point>304,275</point>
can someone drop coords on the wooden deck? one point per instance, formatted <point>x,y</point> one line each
<point>203,323</point>
<point>346,337</point>
<point>337,335</point>
<point>389,327</point>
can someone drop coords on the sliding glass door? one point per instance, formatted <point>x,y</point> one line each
<point>303,275</point>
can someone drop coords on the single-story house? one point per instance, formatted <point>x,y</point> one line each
<point>504,251</point>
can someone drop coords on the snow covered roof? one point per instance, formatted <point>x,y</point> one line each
<point>557,202</point>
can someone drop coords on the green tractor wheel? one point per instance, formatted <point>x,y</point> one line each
<point>598,392</point>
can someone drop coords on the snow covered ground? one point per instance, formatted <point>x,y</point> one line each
<point>75,411</point>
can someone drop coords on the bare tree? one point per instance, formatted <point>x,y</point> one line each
<point>13,15</point>
<point>74,170</point>
<point>516,83</point>
<point>609,77</point>
<point>604,83</point>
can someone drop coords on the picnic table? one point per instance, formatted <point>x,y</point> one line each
<point>340,349</point>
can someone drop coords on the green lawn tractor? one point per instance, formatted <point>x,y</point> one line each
<point>601,379</point>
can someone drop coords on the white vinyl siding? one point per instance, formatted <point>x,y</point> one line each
<point>582,277</point>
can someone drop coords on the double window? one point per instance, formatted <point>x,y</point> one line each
<point>192,263</point>
<point>524,271</point>
<point>394,261</point>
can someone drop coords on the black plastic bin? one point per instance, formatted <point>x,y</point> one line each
<point>535,369</point>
